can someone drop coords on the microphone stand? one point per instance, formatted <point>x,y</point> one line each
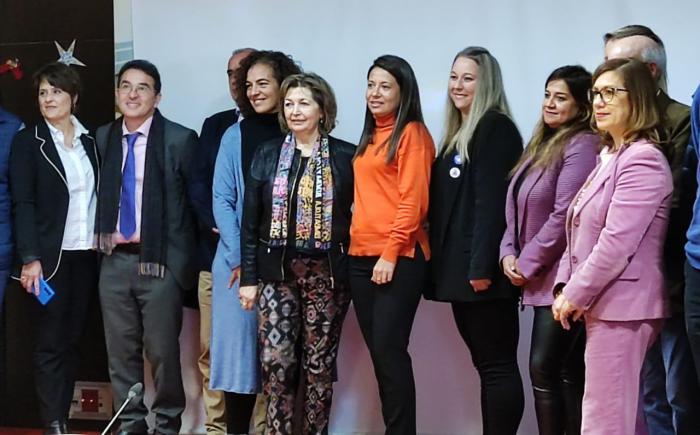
<point>133,391</point>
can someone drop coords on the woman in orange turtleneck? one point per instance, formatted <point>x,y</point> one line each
<point>388,245</point>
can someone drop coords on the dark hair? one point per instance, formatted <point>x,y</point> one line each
<point>282,66</point>
<point>645,115</point>
<point>322,94</point>
<point>144,66</point>
<point>409,109</point>
<point>632,30</point>
<point>547,144</point>
<point>61,76</point>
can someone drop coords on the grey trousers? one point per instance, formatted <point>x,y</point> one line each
<point>142,314</point>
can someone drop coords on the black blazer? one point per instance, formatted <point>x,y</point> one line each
<point>258,260</point>
<point>203,164</point>
<point>40,195</point>
<point>467,213</point>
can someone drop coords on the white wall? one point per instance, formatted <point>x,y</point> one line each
<point>190,42</point>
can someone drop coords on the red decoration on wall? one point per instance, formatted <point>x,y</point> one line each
<point>13,66</point>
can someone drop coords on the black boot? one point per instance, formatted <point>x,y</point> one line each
<point>573,397</point>
<point>550,411</point>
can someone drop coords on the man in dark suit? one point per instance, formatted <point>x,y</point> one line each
<point>146,230</point>
<point>670,392</point>
<point>201,197</point>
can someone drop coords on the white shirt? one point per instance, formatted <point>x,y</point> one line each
<point>79,231</point>
<point>606,154</point>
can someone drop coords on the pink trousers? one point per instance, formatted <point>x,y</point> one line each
<point>614,354</point>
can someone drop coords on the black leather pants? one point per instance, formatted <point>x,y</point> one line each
<point>557,373</point>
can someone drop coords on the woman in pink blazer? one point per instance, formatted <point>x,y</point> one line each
<point>611,273</point>
<point>556,162</point>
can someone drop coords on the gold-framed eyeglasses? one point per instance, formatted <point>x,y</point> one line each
<point>125,88</point>
<point>606,94</point>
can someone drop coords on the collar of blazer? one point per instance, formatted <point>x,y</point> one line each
<point>525,187</point>
<point>43,136</point>
<point>594,184</point>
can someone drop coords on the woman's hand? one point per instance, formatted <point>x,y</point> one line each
<point>248,295</point>
<point>234,276</point>
<point>562,309</point>
<point>480,284</point>
<point>383,271</point>
<point>29,278</point>
<point>511,270</point>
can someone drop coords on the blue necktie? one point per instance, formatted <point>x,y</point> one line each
<point>127,208</point>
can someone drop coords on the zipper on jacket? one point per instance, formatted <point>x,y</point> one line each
<point>289,215</point>
<point>330,268</point>
<point>266,243</point>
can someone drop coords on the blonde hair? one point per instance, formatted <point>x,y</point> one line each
<point>489,95</point>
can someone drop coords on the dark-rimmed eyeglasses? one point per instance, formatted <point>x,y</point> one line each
<point>606,94</point>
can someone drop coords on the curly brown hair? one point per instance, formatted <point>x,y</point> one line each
<point>282,66</point>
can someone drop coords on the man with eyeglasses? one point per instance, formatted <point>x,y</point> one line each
<point>146,232</point>
<point>670,392</point>
<point>201,195</point>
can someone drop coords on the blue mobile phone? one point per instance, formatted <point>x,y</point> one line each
<point>45,292</point>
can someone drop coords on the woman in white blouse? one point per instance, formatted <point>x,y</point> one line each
<point>54,169</point>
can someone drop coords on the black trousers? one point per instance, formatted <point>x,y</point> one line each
<point>557,373</point>
<point>385,314</point>
<point>692,312</point>
<point>59,325</point>
<point>490,329</point>
<point>239,411</point>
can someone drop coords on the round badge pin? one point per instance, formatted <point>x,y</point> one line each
<point>457,159</point>
<point>454,172</point>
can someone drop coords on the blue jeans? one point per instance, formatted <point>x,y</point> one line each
<point>671,396</point>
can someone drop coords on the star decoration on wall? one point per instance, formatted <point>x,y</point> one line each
<point>66,56</point>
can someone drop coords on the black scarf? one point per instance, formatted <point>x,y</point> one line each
<point>153,208</point>
<point>255,130</point>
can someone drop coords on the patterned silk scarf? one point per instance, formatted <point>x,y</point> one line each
<point>314,198</point>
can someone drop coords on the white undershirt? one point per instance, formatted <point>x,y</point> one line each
<point>606,156</point>
<point>79,229</point>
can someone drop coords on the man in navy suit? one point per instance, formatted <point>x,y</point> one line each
<point>201,199</point>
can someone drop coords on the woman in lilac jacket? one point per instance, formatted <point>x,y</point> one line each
<point>556,162</point>
<point>611,273</point>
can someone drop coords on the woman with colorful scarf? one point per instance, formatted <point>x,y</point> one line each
<point>296,222</point>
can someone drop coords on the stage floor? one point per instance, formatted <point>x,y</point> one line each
<point>25,431</point>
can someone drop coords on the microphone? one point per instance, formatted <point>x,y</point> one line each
<point>134,391</point>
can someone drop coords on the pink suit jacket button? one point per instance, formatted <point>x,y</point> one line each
<point>574,260</point>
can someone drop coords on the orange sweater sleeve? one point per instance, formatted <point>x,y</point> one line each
<point>415,155</point>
